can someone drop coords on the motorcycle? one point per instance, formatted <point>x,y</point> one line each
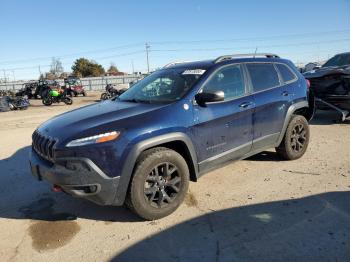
<point>54,96</point>
<point>111,92</point>
<point>21,103</point>
<point>16,103</point>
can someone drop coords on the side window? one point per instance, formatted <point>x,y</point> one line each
<point>286,73</point>
<point>229,80</point>
<point>263,76</point>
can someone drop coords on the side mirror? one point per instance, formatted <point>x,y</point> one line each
<point>203,98</point>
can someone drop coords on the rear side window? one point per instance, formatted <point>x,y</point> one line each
<point>263,76</point>
<point>286,73</point>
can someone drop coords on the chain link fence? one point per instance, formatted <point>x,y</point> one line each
<point>89,83</point>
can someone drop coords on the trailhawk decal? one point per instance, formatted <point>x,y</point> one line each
<point>194,72</point>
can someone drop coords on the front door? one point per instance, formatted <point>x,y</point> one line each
<point>223,130</point>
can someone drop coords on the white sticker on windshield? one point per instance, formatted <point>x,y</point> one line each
<point>194,72</point>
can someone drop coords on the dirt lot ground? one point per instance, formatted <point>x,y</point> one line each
<point>260,209</point>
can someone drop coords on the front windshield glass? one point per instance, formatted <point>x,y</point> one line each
<point>163,86</point>
<point>338,60</point>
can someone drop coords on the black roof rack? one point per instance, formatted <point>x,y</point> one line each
<point>228,57</point>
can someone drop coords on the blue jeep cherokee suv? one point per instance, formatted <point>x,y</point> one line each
<point>144,147</point>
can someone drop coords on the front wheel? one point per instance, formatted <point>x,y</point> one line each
<point>296,139</point>
<point>159,184</point>
<point>104,96</point>
<point>47,101</point>
<point>68,101</point>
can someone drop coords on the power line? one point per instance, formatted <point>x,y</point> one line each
<point>174,42</point>
<point>71,54</point>
<point>148,50</point>
<point>251,47</point>
<point>65,64</point>
<point>250,38</point>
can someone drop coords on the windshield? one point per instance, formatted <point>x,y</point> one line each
<point>338,60</point>
<point>163,86</point>
<point>73,81</point>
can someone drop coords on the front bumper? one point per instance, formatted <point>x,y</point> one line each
<point>78,177</point>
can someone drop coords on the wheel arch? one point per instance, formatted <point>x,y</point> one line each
<point>176,141</point>
<point>299,108</point>
<point>309,110</point>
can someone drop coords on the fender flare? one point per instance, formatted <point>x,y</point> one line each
<point>138,148</point>
<point>290,112</point>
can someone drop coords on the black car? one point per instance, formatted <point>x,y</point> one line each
<point>331,83</point>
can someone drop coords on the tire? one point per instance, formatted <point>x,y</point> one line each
<point>68,101</point>
<point>84,93</point>
<point>152,197</point>
<point>104,96</point>
<point>47,101</point>
<point>295,140</point>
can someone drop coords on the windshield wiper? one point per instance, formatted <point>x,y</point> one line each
<point>133,100</point>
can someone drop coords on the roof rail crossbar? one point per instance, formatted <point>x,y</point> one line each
<point>228,57</point>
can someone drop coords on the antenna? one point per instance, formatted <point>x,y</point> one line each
<point>256,50</point>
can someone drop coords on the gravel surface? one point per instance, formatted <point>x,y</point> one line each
<point>259,209</point>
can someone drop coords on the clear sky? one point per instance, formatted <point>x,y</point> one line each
<point>32,32</point>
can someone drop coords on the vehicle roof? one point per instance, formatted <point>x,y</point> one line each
<point>206,64</point>
<point>345,53</point>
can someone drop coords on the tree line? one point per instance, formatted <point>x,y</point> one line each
<point>81,67</point>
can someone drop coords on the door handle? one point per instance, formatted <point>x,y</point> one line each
<point>245,104</point>
<point>285,93</point>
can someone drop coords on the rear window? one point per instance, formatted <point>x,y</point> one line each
<point>263,76</point>
<point>286,73</point>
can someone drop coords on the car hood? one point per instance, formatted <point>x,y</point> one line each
<point>324,71</point>
<point>95,118</point>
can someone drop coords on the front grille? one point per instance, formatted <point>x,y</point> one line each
<point>43,146</point>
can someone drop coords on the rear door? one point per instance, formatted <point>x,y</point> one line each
<point>223,130</point>
<point>272,99</point>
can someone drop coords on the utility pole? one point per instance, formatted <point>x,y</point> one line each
<point>132,66</point>
<point>39,72</point>
<point>147,51</point>
<point>4,76</point>
<point>13,73</point>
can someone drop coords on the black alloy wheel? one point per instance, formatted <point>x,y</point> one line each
<point>162,184</point>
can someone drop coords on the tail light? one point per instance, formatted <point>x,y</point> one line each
<point>308,83</point>
<point>56,188</point>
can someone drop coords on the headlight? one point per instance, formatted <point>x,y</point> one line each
<point>101,138</point>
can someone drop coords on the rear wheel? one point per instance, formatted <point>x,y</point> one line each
<point>84,93</point>
<point>159,184</point>
<point>296,139</point>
